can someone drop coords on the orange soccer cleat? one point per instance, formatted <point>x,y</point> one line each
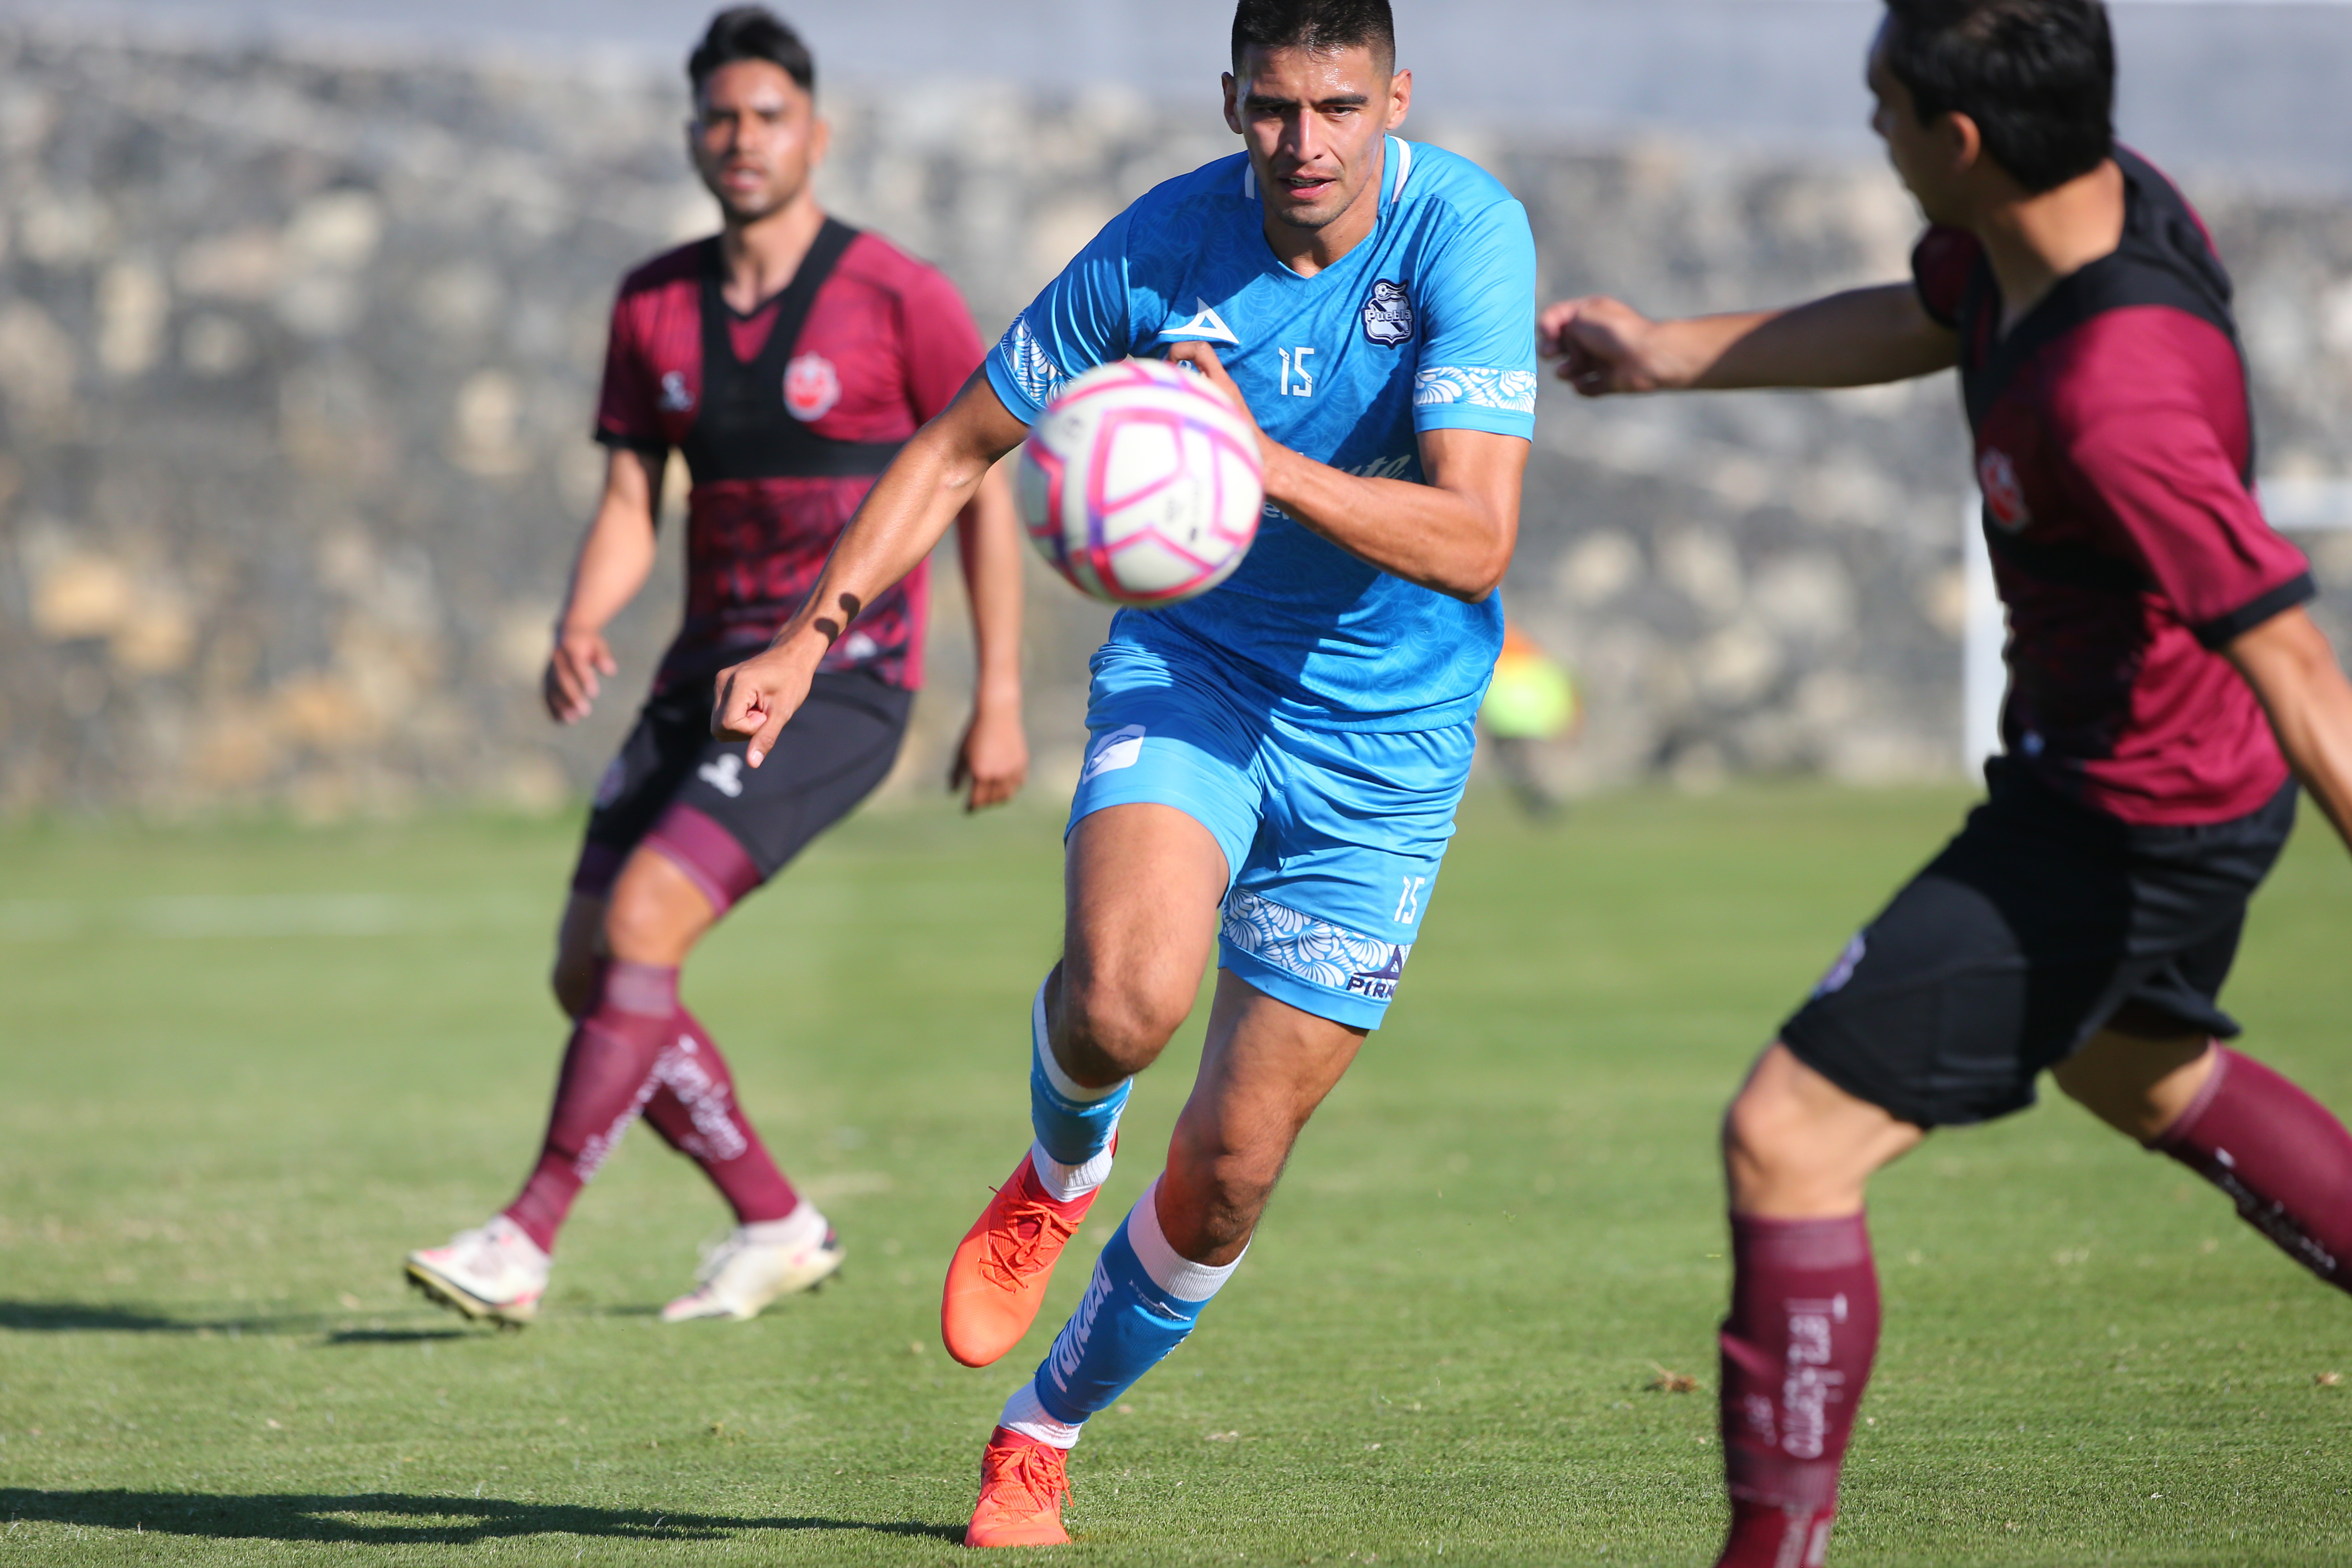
<point>997,1278</point>
<point>1022,1485</point>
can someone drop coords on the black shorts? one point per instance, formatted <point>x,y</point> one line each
<point>2043,922</point>
<point>728,827</point>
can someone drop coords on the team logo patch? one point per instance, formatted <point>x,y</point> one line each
<point>1205,325</point>
<point>677,397</point>
<point>1387,314</point>
<point>1122,748</point>
<point>724,773</point>
<point>2003,495</point>
<point>1842,969</point>
<point>609,787</point>
<point>812,386</point>
<point>1379,984</point>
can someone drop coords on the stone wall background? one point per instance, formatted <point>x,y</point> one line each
<point>298,354</point>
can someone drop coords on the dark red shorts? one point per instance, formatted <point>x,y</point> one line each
<point>730,828</point>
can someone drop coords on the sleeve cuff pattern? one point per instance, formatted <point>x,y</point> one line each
<point>651,445</point>
<point>1480,386</point>
<point>2224,630</point>
<point>1026,366</point>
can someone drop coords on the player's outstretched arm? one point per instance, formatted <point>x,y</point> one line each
<point>616,555</point>
<point>993,760</point>
<point>1453,533</point>
<point>2287,661</point>
<point>906,512</point>
<point>1855,339</point>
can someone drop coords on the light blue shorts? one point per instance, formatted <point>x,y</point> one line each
<point>1332,839</point>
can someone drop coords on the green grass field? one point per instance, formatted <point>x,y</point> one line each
<point>247,1068</point>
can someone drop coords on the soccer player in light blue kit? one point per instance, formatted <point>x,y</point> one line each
<point>1274,765</point>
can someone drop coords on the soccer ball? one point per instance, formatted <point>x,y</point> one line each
<point>1141,484</point>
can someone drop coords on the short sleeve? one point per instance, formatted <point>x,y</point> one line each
<point>1940,265</point>
<point>2158,469</point>
<point>628,411</point>
<point>1477,369</point>
<point>1079,321</point>
<point>943,346</point>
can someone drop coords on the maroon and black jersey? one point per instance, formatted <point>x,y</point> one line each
<point>785,431</point>
<point>2115,445</point>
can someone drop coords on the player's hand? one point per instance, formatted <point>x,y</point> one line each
<point>991,761</point>
<point>1605,346</point>
<point>575,668</point>
<point>757,697</point>
<point>1204,358</point>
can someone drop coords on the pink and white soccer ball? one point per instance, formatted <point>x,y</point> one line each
<point>1141,484</point>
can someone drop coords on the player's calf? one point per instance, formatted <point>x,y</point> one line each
<point>2283,1159</point>
<point>1220,1179</point>
<point>1797,1348</point>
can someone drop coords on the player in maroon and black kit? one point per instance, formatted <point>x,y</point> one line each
<point>2166,692</point>
<point>787,358</point>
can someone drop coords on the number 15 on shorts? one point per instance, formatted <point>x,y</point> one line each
<point>1407,908</point>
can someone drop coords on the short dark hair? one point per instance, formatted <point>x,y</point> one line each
<point>1322,26</point>
<point>751,33</point>
<point>2038,76</point>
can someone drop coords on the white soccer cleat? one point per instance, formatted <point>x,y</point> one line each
<point>758,1263</point>
<point>495,1272</point>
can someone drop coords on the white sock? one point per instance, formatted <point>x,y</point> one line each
<point>1024,1415</point>
<point>1068,1182</point>
<point>804,1226</point>
<point>1040,1043</point>
<point>1179,1276</point>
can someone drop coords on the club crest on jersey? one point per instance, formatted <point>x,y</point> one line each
<point>1387,314</point>
<point>677,397</point>
<point>812,386</point>
<point>2004,497</point>
<point>1205,326</point>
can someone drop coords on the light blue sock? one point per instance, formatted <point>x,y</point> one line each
<point>1074,1124</point>
<point>1142,1302</point>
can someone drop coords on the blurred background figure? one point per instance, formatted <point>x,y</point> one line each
<point>1530,704</point>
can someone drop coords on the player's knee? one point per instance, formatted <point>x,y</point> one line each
<point>573,981</point>
<point>573,976</point>
<point>1115,1029</point>
<point>1764,1135</point>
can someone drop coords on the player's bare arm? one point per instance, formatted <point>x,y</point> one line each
<point>907,514</point>
<point>2287,661</point>
<point>1858,338</point>
<point>991,761</point>
<point>616,555</point>
<point>1455,534</point>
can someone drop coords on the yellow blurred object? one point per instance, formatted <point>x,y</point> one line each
<point>1532,697</point>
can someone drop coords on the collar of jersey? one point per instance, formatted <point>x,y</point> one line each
<point>1396,168</point>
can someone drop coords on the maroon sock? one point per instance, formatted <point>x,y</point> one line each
<point>695,1110</point>
<point>2286,1161</point>
<point>607,1076</point>
<point>1796,1352</point>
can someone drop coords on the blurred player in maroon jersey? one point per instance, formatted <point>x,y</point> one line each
<point>787,358</point>
<point>2166,690</point>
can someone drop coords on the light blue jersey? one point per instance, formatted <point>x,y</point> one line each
<point>1427,324</point>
